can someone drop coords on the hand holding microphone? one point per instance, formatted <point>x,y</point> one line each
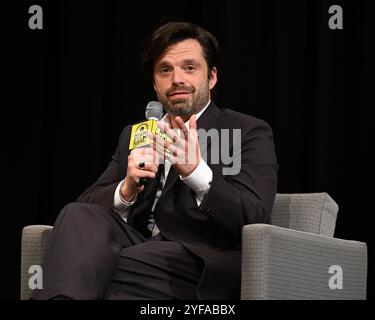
<point>143,161</point>
<point>142,164</point>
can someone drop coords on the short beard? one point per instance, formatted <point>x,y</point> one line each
<point>186,108</point>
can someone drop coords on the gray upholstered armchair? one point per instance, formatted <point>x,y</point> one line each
<point>290,259</point>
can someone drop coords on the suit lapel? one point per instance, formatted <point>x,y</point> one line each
<point>171,179</point>
<point>207,121</point>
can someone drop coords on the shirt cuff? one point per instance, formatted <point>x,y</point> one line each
<point>199,180</point>
<point>121,206</point>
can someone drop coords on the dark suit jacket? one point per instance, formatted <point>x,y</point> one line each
<point>213,230</point>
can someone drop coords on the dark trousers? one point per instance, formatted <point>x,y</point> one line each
<point>94,254</point>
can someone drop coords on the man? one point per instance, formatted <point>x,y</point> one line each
<point>179,236</point>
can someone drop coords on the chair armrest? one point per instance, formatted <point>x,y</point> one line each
<point>280,263</point>
<point>33,246</point>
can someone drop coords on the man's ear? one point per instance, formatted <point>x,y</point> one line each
<point>212,78</point>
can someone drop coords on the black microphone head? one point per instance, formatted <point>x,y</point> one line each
<point>154,110</point>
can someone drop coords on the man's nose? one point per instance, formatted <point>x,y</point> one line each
<point>178,76</point>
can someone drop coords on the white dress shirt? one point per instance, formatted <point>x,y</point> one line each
<point>199,181</point>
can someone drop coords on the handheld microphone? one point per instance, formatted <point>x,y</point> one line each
<point>139,137</point>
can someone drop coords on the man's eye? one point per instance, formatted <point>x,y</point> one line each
<point>190,68</point>
<point>164,70</point>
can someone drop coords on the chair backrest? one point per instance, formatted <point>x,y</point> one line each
<point>308,212</point>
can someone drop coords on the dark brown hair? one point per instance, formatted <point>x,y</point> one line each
<point>175,32</point>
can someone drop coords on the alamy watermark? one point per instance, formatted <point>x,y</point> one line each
<point>224,145</point>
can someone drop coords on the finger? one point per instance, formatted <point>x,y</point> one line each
<point>155,142</point>
<point>168,131</point>
<point>147,166</point>
<point>161,141</point>
<point>193,122</point>
<point>149,150</point>
<point>193,133</point>
<point>141,151</point>
<point>151,157</point>
<point>135,152</point>
<point>165,147</point>
<point>140,187</point>
<point>182,127</point>
<point>166,150</point>
<point>171,150</point>
<point>139,173</point>
<point>158,147</point>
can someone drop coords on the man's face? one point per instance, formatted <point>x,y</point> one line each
<point>181,79</point>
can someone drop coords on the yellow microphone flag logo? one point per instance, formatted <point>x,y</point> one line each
<point>139,137</point>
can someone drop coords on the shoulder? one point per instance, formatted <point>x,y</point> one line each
<point>233,119</point>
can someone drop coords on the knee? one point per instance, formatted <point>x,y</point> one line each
<point>74,208</point>
<point>76,211</point>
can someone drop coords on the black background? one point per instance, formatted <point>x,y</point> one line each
<point>69,89</point>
